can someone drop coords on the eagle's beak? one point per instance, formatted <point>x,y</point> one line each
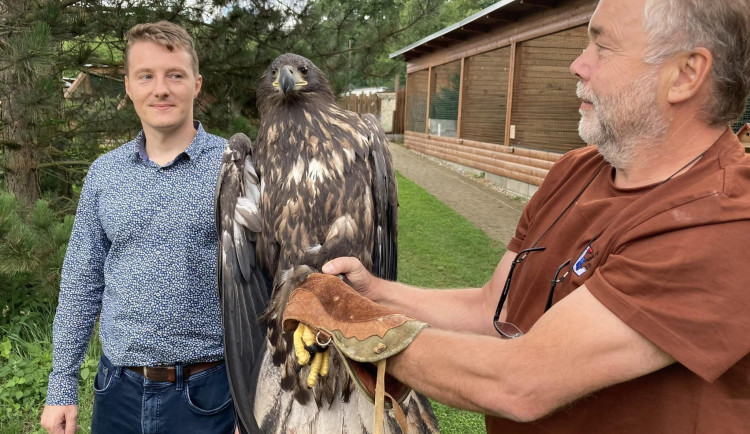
<point>287,81</point>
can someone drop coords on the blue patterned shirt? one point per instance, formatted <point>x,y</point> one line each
<point>142,255</point>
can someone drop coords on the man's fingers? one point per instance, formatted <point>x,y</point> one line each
<point>71,427</point>
<point>71,421</point>
<point>343,265</point>
<point>60,419</point>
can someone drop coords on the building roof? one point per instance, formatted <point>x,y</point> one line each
<point>505,11</point>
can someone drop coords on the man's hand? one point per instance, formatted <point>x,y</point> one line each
<point>60,419</point>
<point>361,280</point>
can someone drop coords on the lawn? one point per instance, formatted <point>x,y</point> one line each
<point>437,248</point>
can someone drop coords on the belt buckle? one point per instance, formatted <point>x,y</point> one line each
<point>145,371</point>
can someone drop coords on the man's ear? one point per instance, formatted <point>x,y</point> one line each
<point>127,88</point>
<point>691,74</point>
<point>198,84</point>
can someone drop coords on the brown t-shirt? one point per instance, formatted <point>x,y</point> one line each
<point>672,260</point>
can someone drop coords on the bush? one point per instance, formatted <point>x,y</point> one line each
<point>33,241</point>
<point>25,365</point>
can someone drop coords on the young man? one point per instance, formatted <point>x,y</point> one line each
<point>142,255</point>
<point>643,237</point>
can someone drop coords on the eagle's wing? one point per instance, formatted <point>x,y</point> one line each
<point>244,287</point>
<point>385,201</point>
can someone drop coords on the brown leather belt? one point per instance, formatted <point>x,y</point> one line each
<point>169,373</point>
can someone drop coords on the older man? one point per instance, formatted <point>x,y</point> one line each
<point>638,244</point>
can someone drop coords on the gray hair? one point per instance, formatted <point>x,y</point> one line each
<point>721,26</point>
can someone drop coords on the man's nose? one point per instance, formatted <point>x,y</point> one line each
<point>580,67</point>
<point>160,87</point>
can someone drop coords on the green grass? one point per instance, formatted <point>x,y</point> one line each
<point>437,248</point>
<point>440,249</point>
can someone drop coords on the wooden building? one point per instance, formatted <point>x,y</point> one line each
<point>494,92</point>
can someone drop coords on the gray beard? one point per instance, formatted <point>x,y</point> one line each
<point>625,124</point>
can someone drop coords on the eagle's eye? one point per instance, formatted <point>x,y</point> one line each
<point>303,70</point>
<point>274,71</point>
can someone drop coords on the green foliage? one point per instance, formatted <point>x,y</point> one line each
<point>33,241</point>
<point>25,364</point>
<point>26,359</point>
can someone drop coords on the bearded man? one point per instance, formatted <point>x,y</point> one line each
<point>622,302</point>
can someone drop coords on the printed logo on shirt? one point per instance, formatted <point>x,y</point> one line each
<point>580,266</point>
<point>584,261</point>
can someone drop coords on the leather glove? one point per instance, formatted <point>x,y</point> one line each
<point>323,309</point>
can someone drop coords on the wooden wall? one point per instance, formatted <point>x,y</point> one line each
<point>514,75</point>
<point>485,96</point>
<point>416,100</point>
<point>545,106</point>
<point>525,165</point>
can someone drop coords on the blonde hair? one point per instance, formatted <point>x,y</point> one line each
<point>169,35</point>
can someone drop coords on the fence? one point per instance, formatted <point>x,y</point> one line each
<point>390,114</point>
<point>363,103</point>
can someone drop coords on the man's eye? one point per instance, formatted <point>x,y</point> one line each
<point>303,70</point>
<point>146,77</point>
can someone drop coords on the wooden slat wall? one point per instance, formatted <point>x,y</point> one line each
<point>398,114</point>
<point>416,100</point>
<point>363,103</point>
<point>526,165</point>
<point>485,94</point>
<point>545,107</point>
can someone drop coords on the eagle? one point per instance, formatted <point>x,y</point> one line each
<point>317,184</point>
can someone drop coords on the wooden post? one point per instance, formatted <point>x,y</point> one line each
<point>429,92</point>
<point>460,98</point>
<point>509,104</point>
<point>406,95</point>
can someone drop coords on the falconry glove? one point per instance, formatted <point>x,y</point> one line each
<point>324,310</point>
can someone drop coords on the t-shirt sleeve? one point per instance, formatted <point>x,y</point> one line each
<point>681,280</point>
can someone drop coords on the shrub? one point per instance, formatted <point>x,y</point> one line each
<point>33,241</point>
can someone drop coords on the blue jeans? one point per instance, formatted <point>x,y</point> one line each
<point>126,402</point>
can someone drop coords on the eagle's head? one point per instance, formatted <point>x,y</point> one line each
<point>291,78</point>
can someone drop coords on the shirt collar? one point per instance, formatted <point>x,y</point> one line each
<point>195,148</point>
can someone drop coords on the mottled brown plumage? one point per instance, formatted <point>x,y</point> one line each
<point>326,189</point>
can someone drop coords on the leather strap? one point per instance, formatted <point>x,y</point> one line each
<point>380,399</point>
<point>169,373</point>
<point>380,395</point>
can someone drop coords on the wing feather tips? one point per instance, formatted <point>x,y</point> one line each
<point>385,201</point>
<point>244,288</point>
